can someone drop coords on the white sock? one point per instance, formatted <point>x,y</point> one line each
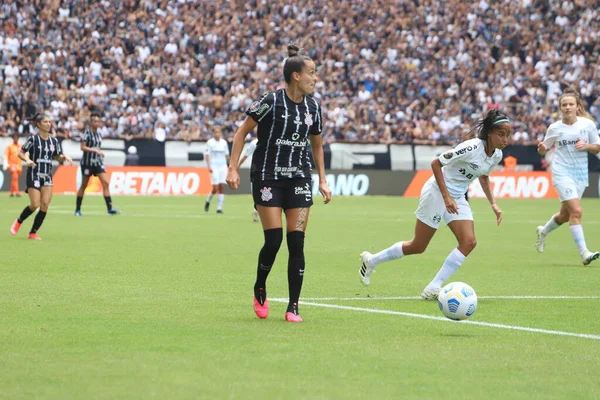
<point>550,226</point>
<point>577,232</point>
<point>209,198</point>
<point>221,198</point>
<point>391,253</point>
<point>451,264</point>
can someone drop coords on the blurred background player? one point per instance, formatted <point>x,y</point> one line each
<point>288,119</point>
<point>217,159</point>
<point>91,164</point>
<point>13,163</point>
<point>248,153</point>
<point>443,198</point>
<point>573,137</point>
<point>38,152</point>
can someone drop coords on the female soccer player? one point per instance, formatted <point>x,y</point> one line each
<point>443,198</point>
<point>38,152</point>
<point>217,157</point>
<point>287,119</point>
<point>573,137</point>
<point>91,164</point>
<point>14,164</point>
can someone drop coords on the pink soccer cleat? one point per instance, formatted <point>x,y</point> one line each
<point>261,310</point>
<point>291,317</point>
<point>14,229</point>
<point>34,236</point>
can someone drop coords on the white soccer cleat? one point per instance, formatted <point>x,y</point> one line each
<point>431,293</point>
<point>589,256</point>
<point>540,243</point>
<point>365,271</point>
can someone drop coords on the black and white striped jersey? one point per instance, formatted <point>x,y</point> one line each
<point>94,141</point>
<point>41,152</point>
<point>283,148</point>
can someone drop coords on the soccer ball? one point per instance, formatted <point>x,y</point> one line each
<point>457,301</point>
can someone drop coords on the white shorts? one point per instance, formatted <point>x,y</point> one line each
<point>219,175</point>
<point>568,189</point>
<point>432,210</point>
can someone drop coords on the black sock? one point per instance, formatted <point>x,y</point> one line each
<point>296,264</point>
<point>266,258</point>
<point>24,214</point>
<point>79,201</point>
<point>38,221</point>
<point>108,201</point>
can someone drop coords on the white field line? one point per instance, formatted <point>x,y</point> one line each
<point>431,317</point>
<point>201,214</point>
<point>419,298</point>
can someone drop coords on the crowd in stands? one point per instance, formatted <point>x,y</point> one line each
<point>391,71</point>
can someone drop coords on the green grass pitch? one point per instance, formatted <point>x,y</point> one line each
<point>156,303</point>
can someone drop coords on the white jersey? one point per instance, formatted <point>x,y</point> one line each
<point>218,150</point>
<point>463,164</point>
<point>566,161</point>
<point>250,148</point>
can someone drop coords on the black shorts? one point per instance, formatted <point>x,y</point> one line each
<point>92,170</point>
<point>287,194</point>
<point>37,182</point>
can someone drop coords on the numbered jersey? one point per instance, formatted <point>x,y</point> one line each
<point>463,164</point>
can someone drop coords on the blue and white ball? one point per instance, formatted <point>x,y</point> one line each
<point>457,301</point>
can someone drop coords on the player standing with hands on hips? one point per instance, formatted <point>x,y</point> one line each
<point>287,119</point>
<point>573,137</point>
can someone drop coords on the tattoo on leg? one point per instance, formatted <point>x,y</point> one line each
<point>301,221</point>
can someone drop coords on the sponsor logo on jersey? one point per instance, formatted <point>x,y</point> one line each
<point>448,155</point>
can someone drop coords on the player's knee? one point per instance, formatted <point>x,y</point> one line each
<point>576,213</point>
<point>295,243</point>
<point>273,239</point>
<point>468,244</point>
<point>415,247</point>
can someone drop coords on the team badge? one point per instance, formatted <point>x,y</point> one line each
<point>266,194</point>
<point>255,106</point>
<point>437,218</point>
<point>308,119</point>
<point>448,155</point>
<point>51,147</point>
<point>36,184</point>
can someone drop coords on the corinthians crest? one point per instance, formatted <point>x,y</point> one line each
<point>308,120</point>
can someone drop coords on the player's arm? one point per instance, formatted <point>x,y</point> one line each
<point>594,143</point>
<point>547,143</point>
<point>60,156</point>
<point>207,158</point>
<point>316,144</point>
<point>25,157</point>
<point>484,180</point>
<point>85,148</point>
<point>233,176</point>
<point>238,142</point>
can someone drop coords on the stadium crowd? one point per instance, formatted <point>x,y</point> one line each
<point>396,71</point>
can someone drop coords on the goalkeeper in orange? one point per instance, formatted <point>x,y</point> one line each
<point>13,163</point>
